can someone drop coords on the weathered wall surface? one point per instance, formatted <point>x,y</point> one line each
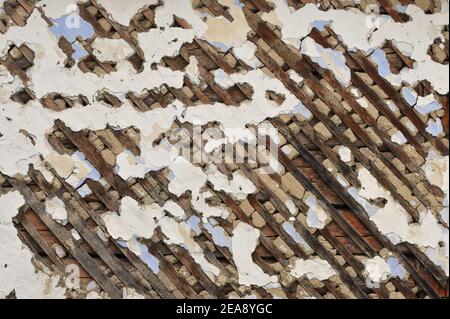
<point>224,148</point>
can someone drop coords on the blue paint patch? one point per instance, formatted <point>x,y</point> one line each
<point>379,57</point>
<point>311,201</point>
<point>290,229</point>
<point>220,45</point>
<point>320,24</point>
<point>219,236</point>
<point>194,224</point>
<point>397,269</point>
<point>409,95</point>
<point>302,110</point>
<point>239,4</point>
<point>401,8</point>
<point>151,261</point>
<point>428,108</point>
<point>84,190</point>
<point>93,173</point>
<point>435,127</point>
<point>72,26</point>
<point>79,53</point>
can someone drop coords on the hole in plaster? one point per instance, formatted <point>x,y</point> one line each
<point>136,62</point>
<point>438,50</point>
<point>273,96</point>
<point>423,88</point>
<point>316,75</point>
<point>380,202</point>
<point>109,99</point>
<point>22,96</point>
<point>58,102</point>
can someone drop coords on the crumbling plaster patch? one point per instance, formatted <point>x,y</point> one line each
<point>313,268</point>
<point>249,272</point>
<point>395,223</point>
<point>17,273</point>
<point>140,221</point>
<point>123,11</point>
<point>356,33</point>
<point>377,271</point>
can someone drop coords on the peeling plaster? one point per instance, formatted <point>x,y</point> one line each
<point>239,186</point>
<point>56,208</point>
<point>179,234</point>
<point>237,30</point>
<point>395,223</point>
<point>377,271</point>
<point>328,59</point>
<point>353,28</point>
<point>111,49</point>
<point>249,272</point>
<point>313,268</point>
<point>135,221</point>
<point>140,221</point>
<point>123,11</point>
<point>18,273</point>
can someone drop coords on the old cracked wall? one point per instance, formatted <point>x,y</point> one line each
<point>117,123</point>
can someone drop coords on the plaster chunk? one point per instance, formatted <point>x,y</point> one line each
<point>122,11</point>
<point>199,203</point>
<point>345,154</point>
<point>56,208</point>
<point>317,217</point>
<point>327,58</point>
<point>179,234</point>
<point>111,49</point>
<point>377,270</point>
<point>313,268</point>
<point>246,52</point>
<point>239,186</point>
<point>133,221</point>
<point>249,272</point>
<point>192,70</point>
<point>394,222</point>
